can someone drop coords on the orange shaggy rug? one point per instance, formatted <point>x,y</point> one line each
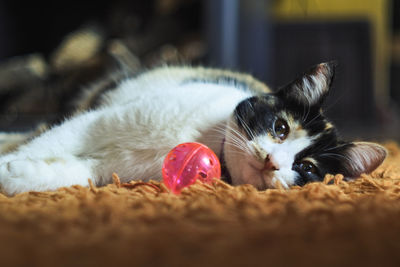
<point>136,224</point>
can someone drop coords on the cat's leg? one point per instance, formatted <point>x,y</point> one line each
<point>51,160</point>
<point>41,174</point>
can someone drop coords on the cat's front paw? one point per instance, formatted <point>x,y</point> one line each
<point>21,175</point>
<point>25,169</point>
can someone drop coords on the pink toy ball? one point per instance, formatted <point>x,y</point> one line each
<point>188,162</point>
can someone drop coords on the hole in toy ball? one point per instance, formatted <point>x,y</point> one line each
<point>211,162</point>
<point>172,157</point>
<point>203,175</point>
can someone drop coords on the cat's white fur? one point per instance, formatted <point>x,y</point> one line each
<point>140,120</point>
<point>130,133</point>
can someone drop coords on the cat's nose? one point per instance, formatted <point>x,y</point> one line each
<point>270,164</point>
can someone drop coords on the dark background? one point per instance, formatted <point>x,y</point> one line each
<point>241,35</point>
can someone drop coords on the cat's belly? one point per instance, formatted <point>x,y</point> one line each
<point>190,112</point>
<point>146,128</point>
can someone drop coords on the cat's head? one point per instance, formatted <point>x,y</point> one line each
<point>285,137</point>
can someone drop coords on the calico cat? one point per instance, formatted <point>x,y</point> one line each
<point>262,137</point>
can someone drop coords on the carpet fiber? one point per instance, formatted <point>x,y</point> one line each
<point>137,224</point>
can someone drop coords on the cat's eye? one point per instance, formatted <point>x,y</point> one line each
<point>281,129</point>
<point>308,167</point>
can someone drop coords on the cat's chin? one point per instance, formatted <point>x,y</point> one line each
<point>255,175</point>
<point>266,177</point>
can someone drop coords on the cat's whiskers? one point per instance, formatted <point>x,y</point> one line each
<point>237,143</point>
<point>236,152</point>
<point>226,128</point>
<point>313,119</point>
<point>235,136</point>
<point>234,143</point>
<point>239,137</point>
<point>248,130</point>
<point>325,110</point>
<point>305,115</point>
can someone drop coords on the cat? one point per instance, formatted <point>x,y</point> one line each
<point>262,137</point>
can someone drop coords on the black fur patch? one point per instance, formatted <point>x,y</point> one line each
<point>255,116</point>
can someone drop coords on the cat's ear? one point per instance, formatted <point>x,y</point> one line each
<point>361,157</point>
<point>312,87</point>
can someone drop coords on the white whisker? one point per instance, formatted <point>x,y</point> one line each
<point>248,130</point>
<point>305,116</point>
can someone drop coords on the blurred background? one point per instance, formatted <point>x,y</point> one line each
<point>50,50</point>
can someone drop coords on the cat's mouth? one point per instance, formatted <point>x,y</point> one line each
<point>265,174</point>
